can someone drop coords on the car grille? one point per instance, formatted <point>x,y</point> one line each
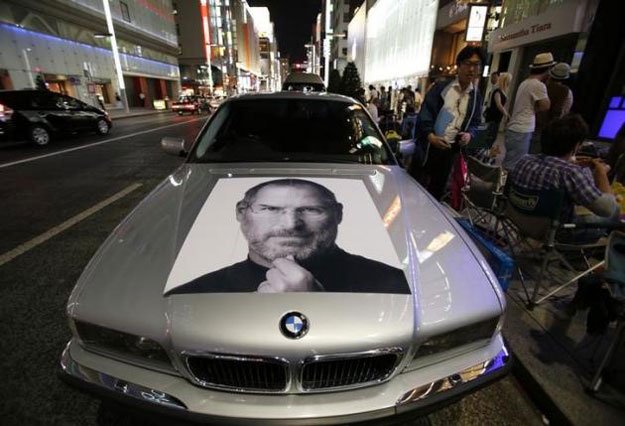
<point>245,374</point>
<point>267,375</point>
<point>334,373</point>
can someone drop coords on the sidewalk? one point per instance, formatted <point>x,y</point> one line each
<point>554,356</point>
<point>119,113</point>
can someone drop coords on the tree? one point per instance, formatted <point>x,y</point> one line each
<point>350,82</point>
<point>334,86</point>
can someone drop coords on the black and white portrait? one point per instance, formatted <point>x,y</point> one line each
<point>290,241</point>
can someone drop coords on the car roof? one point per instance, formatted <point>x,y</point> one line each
<point>323,96</point>
<point>303,77</point>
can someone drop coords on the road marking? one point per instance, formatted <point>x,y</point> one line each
<point>39,157</point>
<point>42,238</point>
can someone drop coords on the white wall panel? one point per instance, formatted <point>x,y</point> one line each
<point>399,36</point>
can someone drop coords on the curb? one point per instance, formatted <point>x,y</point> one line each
<point>139,114</point>
<point>537,394</point>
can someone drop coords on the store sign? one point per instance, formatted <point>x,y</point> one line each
<point>556,21</point>
<point>451,13</point>
<point>477,22</point>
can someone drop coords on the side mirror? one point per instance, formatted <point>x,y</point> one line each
<point>174,146</point>
<point>406,147</point>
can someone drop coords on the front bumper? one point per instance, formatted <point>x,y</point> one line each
<point>418,391</point>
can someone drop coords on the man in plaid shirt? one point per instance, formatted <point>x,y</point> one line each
<point>584,181</point>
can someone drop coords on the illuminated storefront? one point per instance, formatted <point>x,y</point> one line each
<point>399,35</point>
<point>532,27</point>
<point>356,40</point>
<point>70,54</point>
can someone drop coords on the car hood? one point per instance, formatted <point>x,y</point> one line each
<point>123,285</point>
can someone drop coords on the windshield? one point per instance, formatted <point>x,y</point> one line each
<point>297,130</point>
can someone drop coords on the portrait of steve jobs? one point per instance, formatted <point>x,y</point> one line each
<point>291,226</point>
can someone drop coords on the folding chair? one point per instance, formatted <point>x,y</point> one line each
<point>483,192</point>
<point>535,215</point>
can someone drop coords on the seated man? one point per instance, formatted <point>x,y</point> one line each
<point>584,181</point>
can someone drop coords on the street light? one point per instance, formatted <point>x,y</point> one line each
<point>29,71</point>
<point>118,65</point>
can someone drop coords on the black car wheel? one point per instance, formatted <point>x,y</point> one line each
<point>102,127</point>
<point>179,112</point>
<point>39,135</point>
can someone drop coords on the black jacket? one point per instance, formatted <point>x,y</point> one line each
<point>337,271</point>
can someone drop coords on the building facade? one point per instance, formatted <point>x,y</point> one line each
<point>531,27</point>
<point>398,41</point>
<point>248,47</point>
<point>270,79</point>
<point>65,43</point>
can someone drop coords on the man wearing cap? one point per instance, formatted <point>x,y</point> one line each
<point>531,98</point>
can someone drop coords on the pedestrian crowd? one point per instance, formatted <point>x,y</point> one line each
<point>542,149</point>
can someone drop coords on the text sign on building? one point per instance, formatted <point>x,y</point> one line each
<point>477,22</point>
<point>556,21</point>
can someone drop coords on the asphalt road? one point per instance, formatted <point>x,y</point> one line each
<point>52,220</point>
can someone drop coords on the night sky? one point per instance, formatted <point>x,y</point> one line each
<point>293,23</point>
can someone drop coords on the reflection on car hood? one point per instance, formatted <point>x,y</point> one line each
<point>122,287</point>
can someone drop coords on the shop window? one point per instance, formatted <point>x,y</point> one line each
<point>125,11</point>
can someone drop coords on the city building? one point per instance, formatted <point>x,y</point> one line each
<point>248,47</point>
<point>529,28</point>
<point>356,39</point>
<point>270,79</point>
<point>65,45</point>
<point>398,41</point>
<point>314,48</point>
<point>219,46</point>
<point>285,68</point>
<point>342,12</point>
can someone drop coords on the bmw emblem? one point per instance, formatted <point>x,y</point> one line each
<point>294,325</point>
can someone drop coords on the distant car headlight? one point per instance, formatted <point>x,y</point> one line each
<point>478,333</point>
<point>127,346</point>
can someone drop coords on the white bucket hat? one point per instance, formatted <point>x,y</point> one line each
<point>543,60</point>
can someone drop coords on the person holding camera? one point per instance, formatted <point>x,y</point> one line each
<point>584,180</point>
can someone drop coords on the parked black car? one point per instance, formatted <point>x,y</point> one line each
<point>37,115</point>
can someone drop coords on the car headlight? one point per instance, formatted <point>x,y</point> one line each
<point>127,346</point>
<point>478,333</point>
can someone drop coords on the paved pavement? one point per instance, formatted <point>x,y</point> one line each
<point>119,113</point>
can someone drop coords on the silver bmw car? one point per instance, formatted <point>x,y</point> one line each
<point>290,271</point>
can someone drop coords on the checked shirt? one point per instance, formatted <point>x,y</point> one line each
<point>543,172</point>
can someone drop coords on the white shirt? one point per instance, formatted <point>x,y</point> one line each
<point>523,118</point>
<point>373,95</point>
<point>373,110</point>
<point>456,102</point>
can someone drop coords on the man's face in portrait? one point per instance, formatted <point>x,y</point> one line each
<point>296,220</point>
